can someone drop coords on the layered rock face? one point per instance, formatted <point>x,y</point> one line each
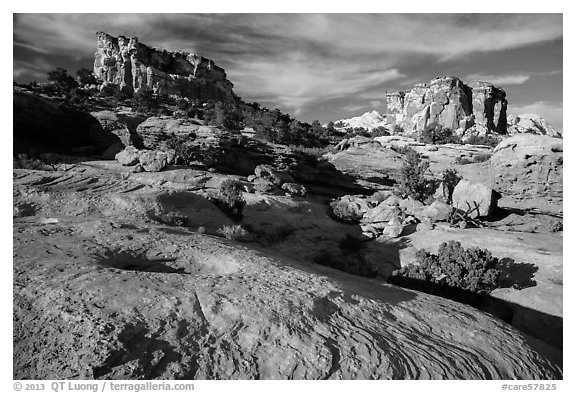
<point>489,106</point>
<point>451,103</point>
<point>133,67</point>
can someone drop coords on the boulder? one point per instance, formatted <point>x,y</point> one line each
<point>273,175</point>
<point>294,189</point>
<point>381,213</point>
<point>129,156</point>
<point>437,211</point>
<point>137,168</point>
<point>121,123</point>
<point>424,225</point>
<point>154,130</point>
<point>478,199</point>
<point>263,186</point>
<point>352,205</point>
<point>394,228</point>
<point>153,161</point>
<point>409,206</point>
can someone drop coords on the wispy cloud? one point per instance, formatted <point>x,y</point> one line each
<point>500,79</point>
<point>36,69</point>
<point>299,60</point>
<point>298,82</point>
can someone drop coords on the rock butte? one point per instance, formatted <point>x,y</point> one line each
<point>133,67</point>
<point>451,103</point>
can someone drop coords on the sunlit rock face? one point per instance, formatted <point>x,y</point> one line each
<point>132,67</point>
<point>451,103</point>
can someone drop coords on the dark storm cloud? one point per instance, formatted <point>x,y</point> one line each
<point>308,63</point>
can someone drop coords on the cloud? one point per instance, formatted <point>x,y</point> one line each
<point>297,82</point>
<point>441,35</point>
<point>550,111</point>
<point>296,61</point>
<point>35,69</point>
<point>500,79</point>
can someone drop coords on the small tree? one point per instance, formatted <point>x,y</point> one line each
<point>413,182</point>
<point>86,76</point>
<point>435,134</point>
<point>469,269</point>
<point>145,101</point>
<point>450,178</point>
<point>230,199</point>
<point>62,80</point>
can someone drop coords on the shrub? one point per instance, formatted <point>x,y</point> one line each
<point>469,269</point>
<point>234,232</point>
<point>435,134</point>
<point>401,149</point>
<point>397,129</point>
<point>379,131</point>
<point>184,151</point>
<point>486,140</point>
<point>171,218</point>
<point>229,198</point>
<point>450,178</point>
<point>86,76</point>
<point>556,226</point>
<point>22,161</point>
<point>475,159</point>
<point>345,211</point>
<point>145,101</point>
<point>62,80</point>
<point>412,177</point>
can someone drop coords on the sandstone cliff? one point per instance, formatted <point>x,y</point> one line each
<point>133,67</point>
<point>451,103</point>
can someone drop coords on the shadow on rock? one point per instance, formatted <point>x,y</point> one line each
<point>136,261</point>
<point>545,327</point>
<point>516,275</point>
<point>146,356</point>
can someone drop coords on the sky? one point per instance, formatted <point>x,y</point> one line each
<point>324,66</point>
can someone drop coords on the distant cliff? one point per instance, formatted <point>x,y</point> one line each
<point>133,66</point>
<point>477,108</point>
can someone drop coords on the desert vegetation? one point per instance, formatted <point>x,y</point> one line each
<point>413,181</point>
<point>471,269</point>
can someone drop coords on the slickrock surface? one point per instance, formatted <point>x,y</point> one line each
<point>100,291</point>
<point>531,298</point>
<point>133,67</point>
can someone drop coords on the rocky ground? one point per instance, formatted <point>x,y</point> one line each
<point>101,292</point>
<point>108,285</point>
